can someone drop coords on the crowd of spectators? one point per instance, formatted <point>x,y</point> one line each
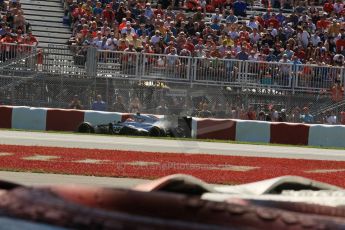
<point>14,24</point>
<point>311,32</point>
<point>14,29</point>
<point>272,113</point>
<point>289,31</point>
<point>205,108</point>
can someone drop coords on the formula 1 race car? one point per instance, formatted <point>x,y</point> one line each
<point>137,125</point>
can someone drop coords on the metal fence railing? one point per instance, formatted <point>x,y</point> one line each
<point>58,59</point>
<point>215,71</point>
<point>168,67</point>
<point>117,64</point>
<point>212,70</point>
<point>10,52</point>
<point>88,62</point>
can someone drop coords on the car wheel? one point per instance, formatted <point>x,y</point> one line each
<point>86,127</point>
<point>155,132</point>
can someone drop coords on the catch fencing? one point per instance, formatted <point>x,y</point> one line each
<point>50,77</point>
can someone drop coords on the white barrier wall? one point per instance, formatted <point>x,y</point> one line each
<point>270,132</point>
<point>327,135</point>
<point>253,131</point>
<point>29,118</point>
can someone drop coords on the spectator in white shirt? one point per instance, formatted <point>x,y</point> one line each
<point>315,39</point>
<point>148,11</point>
<point>231,18</point>
<point>252,23</point>
<point>252,56</point>
<point>303,37</point>
<point>330,119</point>
<point>156,38</point>
<point>112,42</point>
<point>338,6</point>
<point>97,41</point>
<point>128,29</point>
<point>216,16</point>
<point>254,36</point>
<point>233,33</point>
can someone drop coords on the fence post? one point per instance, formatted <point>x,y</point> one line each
<point>107,93</point>
<point>294,76</point>
<point>61,91</point>
<point>342,78</point>
<point>143,71</point>
<point>246,66</point>
<point>137,64</point>
<point>91,62</point>
<point>45,63</point>
<point>239,74</point>
<point>188,68</point>
<point>13,88</point>
<point>194,70</point>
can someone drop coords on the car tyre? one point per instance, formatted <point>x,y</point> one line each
<point>156,132</point>
<point>86,127</point>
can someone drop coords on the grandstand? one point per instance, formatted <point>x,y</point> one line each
<point>45,18</point>
<point>229,78</point>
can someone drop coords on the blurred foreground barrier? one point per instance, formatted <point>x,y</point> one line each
<point>176,202</point>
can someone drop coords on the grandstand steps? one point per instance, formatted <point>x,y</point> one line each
<point>44,29</point>
<point>48,3</point>
<point>42,8</point>
<point>45,18</point>
<point>55,26</point>
<point>52,40</point>
<point>52,34</point>
<point>50,14</point>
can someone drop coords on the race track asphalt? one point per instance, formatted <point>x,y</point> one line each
<point>165,145</point>
<point>143,144</point>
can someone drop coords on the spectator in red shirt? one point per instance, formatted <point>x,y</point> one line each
<point>300,53</point>
<point>159,10</point>
<point>108,14</point>
<point>78,12</point>
<point>273,21</point>
<point>189,45</point>
<point>20,37</point>
<point>328,7</point>
<point>342,115</point>
<point>251,115</point>
<point>8,51</point>
<point>337,91</point>
<point>323,23</point>
<point>7,39</point>
<point>31,39</point>
<point>123,24</point>
<point>340,44</point>
<point>260,20</point>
